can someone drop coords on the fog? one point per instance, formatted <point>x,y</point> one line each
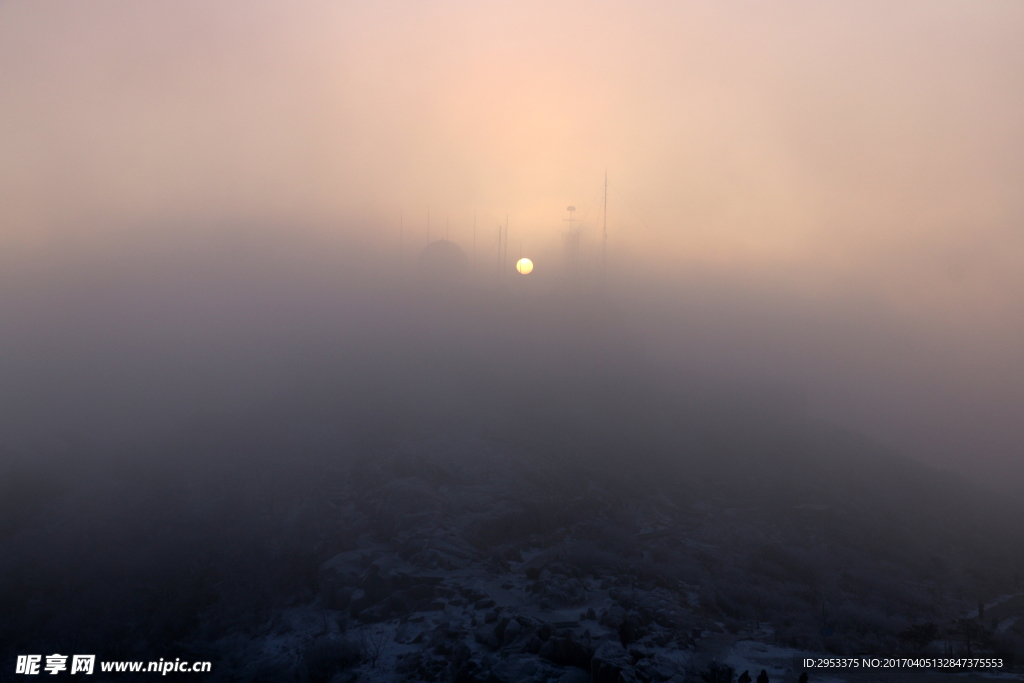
<point>212,217</point>
<point>823,197</point>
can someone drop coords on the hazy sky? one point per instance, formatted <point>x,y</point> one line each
<point>824,193</point>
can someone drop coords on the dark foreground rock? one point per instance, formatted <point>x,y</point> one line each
<point>479,559</point>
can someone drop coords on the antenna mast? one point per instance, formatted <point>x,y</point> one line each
<point>604,233</point>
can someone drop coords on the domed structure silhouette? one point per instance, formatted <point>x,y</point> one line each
<point>443,262</point>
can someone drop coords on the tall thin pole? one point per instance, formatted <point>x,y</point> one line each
<point>604,233</point>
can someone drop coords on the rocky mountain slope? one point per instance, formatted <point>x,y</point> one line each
<point>487,507</point>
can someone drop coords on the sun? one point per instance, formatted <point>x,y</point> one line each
<point>524,266</point>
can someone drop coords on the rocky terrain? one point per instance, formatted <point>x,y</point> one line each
<point>475,559</point>
<point>510,520</point>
